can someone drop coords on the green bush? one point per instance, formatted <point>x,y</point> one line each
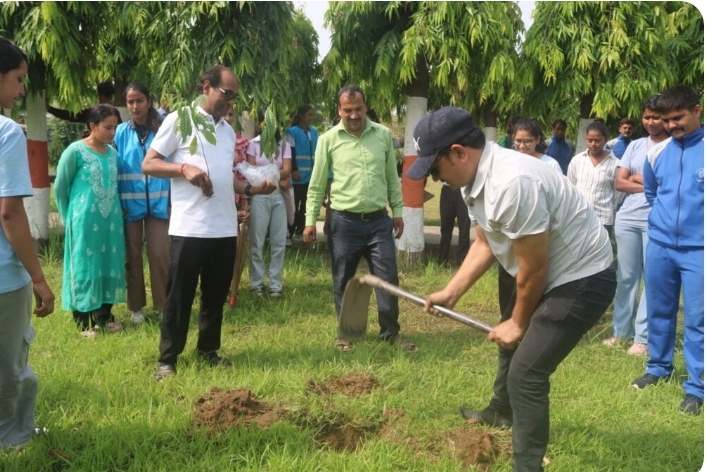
<point>61,134</point>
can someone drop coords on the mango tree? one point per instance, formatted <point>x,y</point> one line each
<point>412,56</point>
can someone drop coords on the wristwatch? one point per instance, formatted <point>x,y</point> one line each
<point>248,187</point>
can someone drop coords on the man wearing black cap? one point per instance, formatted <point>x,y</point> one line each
<point>544,233</point>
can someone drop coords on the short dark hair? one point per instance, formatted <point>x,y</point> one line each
<point>105,89</point>
<point>301,111</point>
<point>475,139</point>
<point>598,126</point>
<point>213,75</point>
<point>154,120</point>
<point>681,97</point>
<point>627,121</point>
<point>99,113</point>
<point>559,122</point>
<point>349,91</point>
<point>534,128</point>
<point>11,57</point>
<point>650,102</point>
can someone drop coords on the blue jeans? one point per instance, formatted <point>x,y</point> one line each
<point>267,211</point>
<point>667,270</point>
<point>632,246</point>
<point>349,240</point>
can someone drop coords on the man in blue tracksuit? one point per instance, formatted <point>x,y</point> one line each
<point>674,186</point>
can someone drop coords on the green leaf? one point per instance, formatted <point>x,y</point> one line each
<point>193,146</point>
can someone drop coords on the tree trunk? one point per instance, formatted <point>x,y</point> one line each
<point>585,119</point>
<point>412,240</point>
<point>37,206</point>
<point>490,119</point>
<point>119,99</point>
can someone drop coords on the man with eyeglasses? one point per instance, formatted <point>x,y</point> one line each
<point>203,225</point>
<point>538,226</point>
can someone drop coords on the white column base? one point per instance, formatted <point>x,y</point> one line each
<point>412,239</point>
<point>37,208</point>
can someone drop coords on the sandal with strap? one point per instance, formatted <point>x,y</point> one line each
<point>343,344</point>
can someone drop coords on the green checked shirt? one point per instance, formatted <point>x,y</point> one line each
<point>364,172</point>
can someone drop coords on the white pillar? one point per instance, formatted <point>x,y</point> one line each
<point>491,133</point>
<point>412,239</point>
<point>248,125</point>
<point>37,206</point>
<point>581,137</point>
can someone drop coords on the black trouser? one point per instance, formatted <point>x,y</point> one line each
<point>562,317</point>
<point>88,319</point>
<point>211,260</point>
<point>452,207</point>
<point>300,191</point>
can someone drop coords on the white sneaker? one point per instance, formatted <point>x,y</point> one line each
<point>137,317</point>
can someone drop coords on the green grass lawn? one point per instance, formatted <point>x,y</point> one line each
<point>105,412</point>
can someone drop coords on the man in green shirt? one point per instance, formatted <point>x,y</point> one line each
<point>361,157</point>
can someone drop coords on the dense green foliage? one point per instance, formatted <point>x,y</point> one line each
<point>61,134</point>
<point>271,47</point>
<point>461,53</point>
<point>605,58</point>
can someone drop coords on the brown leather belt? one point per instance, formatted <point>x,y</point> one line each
<point>373,215</point>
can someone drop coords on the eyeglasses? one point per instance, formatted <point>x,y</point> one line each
<point>434,169</point>
<point>523,142</point>
<point>228,94</point>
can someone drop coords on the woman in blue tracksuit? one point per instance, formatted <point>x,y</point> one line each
<point>674,186</point>
<point>302,137</point>
<point>145,202</point>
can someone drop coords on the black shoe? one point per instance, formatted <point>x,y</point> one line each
<point>214,360</point>
<point>646,380</point>
<point>164,371</point>
<point>691,405</point>
<point>488,417</point>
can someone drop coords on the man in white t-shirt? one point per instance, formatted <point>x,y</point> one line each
<point>544,233</point>
<point>204,222</point>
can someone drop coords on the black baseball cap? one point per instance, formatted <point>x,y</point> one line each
<point>436,131</point>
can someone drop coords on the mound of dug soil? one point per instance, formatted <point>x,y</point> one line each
<point>478,447</point>
<point>223,409</point>
<point>350,384</point>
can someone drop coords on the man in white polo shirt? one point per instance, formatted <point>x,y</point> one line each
<point>203,223</point>
<point>543,232</point>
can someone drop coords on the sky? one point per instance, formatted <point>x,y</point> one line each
<point>315,10</point>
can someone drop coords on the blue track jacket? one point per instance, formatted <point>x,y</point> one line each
<point>674,185</point>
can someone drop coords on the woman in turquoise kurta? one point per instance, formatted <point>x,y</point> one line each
<point>86,194</point>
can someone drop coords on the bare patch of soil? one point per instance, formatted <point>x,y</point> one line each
<point>222,409</point>
<point>353,384</point>
<point>478,447</point>
<point>391,430</point>
<point>341,436</point>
